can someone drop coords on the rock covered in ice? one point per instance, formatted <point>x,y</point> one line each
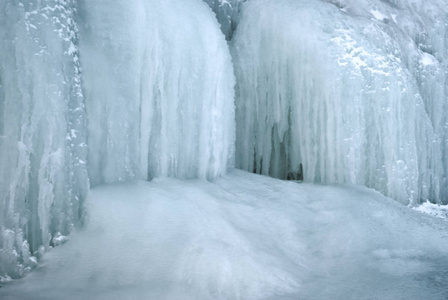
<point>355,91</point>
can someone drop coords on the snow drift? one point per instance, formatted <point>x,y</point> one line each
<point>244,236</point>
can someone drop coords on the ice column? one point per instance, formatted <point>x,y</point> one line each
<point>43,177</point>
<point>159,90</point>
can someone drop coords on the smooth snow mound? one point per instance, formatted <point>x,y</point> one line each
<point>245,236</point>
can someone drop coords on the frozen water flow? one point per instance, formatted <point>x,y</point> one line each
<point>245,236</point>
<point>154,98</point>
<point>43,148</point>
<point>342,89</point>
<point>159,94</point>
<point>94,92</point>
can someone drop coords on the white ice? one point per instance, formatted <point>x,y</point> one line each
<point>245,236</point>
<point>355,91</point>
<point>102,91</point>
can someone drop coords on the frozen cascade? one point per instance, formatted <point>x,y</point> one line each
<point>154,98</point>
<point>42,137</point>
<point>355,91</point>
<point>159,90</point>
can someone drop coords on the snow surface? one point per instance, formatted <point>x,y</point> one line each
<point>245,236</point>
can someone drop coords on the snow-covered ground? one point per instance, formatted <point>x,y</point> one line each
<point>245,236</point>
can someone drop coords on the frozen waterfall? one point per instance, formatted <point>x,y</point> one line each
<point>43,178</point>
<point>356,92</point>
<point>177,92</point>
<point>156,86</point>
<point>159,91</point>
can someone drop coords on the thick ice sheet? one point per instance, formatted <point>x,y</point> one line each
<point>244,237</point>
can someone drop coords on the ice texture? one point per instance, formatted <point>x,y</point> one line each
<point>159,90</point>
<point>244,236</point>
<point>98,91</point>
<point>154,98</point>
<point>42,129</point>
<point>355,91</point>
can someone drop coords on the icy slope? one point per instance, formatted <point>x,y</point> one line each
<point>356,91</point>
<point>244,237</point>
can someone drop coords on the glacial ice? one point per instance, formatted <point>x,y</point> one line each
<point>355,91</point>
<point>244,236</point>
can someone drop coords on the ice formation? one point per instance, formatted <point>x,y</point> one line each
<point>355,91</point>
<point>42,129</point>
<point>98,91</point>
<point>154,98</point>
<point>159,92</point>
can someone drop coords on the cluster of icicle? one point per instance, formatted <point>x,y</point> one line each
<point>354,91</point>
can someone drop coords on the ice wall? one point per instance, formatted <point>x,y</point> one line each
<point>42,136</point>
<point>159,88</point>
<point>355,91</point>
<point>154,98</point>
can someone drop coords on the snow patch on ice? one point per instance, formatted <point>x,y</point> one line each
<point>436,210</point>
<point>378,15</point>
<point>427,59</point>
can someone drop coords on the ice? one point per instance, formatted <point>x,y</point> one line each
<point>351,97</point>
<point>378,15</point>
<point>42,179</point>
<point>102,91</point>
<point>245,236</point>
<point>227,12</point>
<point>159,90</point>
<point>437,210</point>
<point>95,92</point>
